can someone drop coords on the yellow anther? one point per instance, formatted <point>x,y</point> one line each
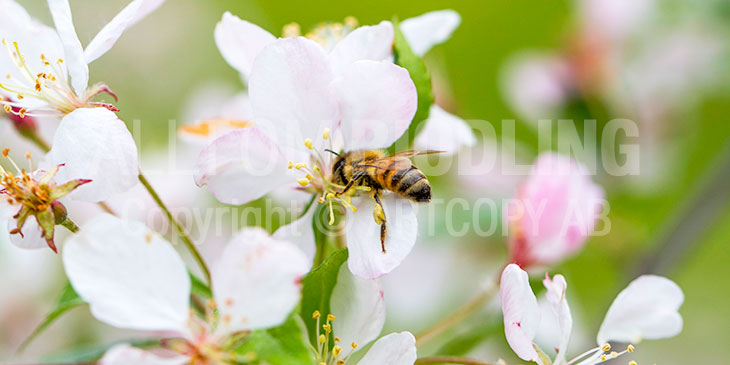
<point>331,317</point>
<point>322,338</point>
<point>326,133</point>
<point>329,196</point>
<point>614,354</point>
<point>340,362</point>
<point>354,345</point>
<point>300,166</point>
<point>327,328</point>
<point>630,348</point>
<point>336,351</point>
<point>8,108</point>
<point>291,164</point>
<point>606,347</point>
<point>315,315</point>
<point>603,357</point>
<point>632,362</point>
<point>337,339</point>
<point>291,30</point>
<point>316,168</point>
<point>351,21</point>
<point>309,177</point>
<point>303,181</point>
<point>21,113</point>
<point>60,60</point>
<point>308,143</point>
<point>354,210</point>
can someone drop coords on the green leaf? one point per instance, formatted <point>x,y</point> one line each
<point>283,345</point>
<point>69,299</point>
<point>317,290</point>
<point>198,287</point>
<point>404,57</point>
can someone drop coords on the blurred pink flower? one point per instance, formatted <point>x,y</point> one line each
<point>554,212</point>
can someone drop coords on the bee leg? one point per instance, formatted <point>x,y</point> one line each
<point>379,215</point>
<point>352,182</point>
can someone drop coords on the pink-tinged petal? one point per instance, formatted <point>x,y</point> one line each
<point>378,102</point>
<point>555,212</point>
<point>373,42</point>
<point>74,58</point>
<point>290,92</point>
<point>301,233</point>
<point>130,276</point>
<point>240,42</point>
<point>124,354</point>
<point>648,309</point>
<point>257,282</point>
<point>107,36</point>
<point>94,144</point>
<point>556,288</point>
<point>614,20</point>
<point>393,349</point>
<point>536,85</point>
<point>367,259</point>
<point>32,237</point>
<point>444,132</point>
<point>241,166</point>
<point>427,30</point>
<point>359,307</point>
<point>521,312</point>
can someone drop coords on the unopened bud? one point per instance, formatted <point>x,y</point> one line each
<point>59,212</point>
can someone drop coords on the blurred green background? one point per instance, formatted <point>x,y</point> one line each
<point>157,65</point>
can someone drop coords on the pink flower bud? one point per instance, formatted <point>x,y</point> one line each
<point>554,212</point>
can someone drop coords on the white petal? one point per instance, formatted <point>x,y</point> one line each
<point>427,30</point>
<point>290,92</point>
<point>301,233</point>
<point>378,102</point>
<point>257,282</point>
<point>241,166</point>
<point>32,235</point>
<point>107,36</point>
<point>555,294</point>
<point>367,259</point>
<point>124,354</point>
<point>444,132</point>
<point>94,144</point>
<point>646,309</point>
<point>130,276</point>
<point>520,310</point>
<point>374,42</point>
<point>74,58</point>
<point>359,309</point>
<point>393,349</point>
<point>240,42</point>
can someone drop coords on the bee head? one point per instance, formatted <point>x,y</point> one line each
<point>338,170</point>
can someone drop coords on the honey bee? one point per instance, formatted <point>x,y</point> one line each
<point>380,171</point>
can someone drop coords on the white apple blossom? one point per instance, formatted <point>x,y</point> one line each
<point>357,318</point>
<point>646,309</point>
<point>132,278</point>
<point>48,74</point>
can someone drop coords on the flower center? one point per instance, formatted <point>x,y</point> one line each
<point>600,354</point>
<point>325,355</point>
<point>21,188</point>
<point>48,85</point>
<point>317,178</point>
<point>326,34</point>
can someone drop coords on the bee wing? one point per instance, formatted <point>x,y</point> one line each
<point>411,153</point>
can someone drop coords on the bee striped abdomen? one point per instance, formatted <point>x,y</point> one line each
<point>414,185</point>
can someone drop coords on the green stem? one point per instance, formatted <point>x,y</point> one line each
<point>70,225</point>
<point>471,307</point>
<point>180,231</point>
<point>37,140</point>
<point>451,360</point>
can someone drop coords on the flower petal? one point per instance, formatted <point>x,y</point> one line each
<point>646,309</point>
<point>290,92</point>
<point>427,30</point>
<point>107,36</point>
<point>537,85</point>
<point>124,354</point>
<point>74,58</point>
<point>94,144</point>
<point>257,282</point>
<point>444,132</point>
<point>130,276</point>
<point>521,312</point>
<point>373,42</point>
<point>301,233</point>
<point>359,307</point>
<point>378,102</point>
<point>241,166</point>
<point>556,297</point>
<point>367,259</point>
<point>240,42</point>
<point>32,235</point>
<point>393,349</point>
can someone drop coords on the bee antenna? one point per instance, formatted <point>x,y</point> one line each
<point>332,152</point>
